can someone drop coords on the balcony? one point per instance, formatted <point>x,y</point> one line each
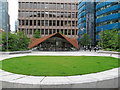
<point>110,9</point>
<point>109,17</point>
<point>108,27</point>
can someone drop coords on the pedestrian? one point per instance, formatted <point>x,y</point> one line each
<point>90,48</point>
<point>84,48</point>
<point>95,48</point>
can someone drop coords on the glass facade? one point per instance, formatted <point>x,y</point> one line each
<point>97,16</point>
<point>86,19</point>
<point>107,16</point>
<point>4,16</point>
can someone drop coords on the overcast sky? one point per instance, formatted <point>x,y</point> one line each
<point>13,12</point>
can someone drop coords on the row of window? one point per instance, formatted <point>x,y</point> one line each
<point>48,14</point>
<point>110,13</point>
<point>108,22</point>
<point>52,6</point>
<point>50,31</point>
<point>47,23</point>
<point>107,6</point>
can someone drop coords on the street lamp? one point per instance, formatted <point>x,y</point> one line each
<point>7,37</point>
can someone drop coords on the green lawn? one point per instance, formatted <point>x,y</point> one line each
<point>58,65</point>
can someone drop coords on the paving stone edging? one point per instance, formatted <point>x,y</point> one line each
<point>106,79</point>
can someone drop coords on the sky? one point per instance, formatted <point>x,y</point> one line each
<point>13,12</point>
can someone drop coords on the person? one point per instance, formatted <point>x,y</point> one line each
<point>84,48</point>
<point>90,48</point>
<point>95,48</point>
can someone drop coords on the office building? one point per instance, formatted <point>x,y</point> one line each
<point>48,16</point>
<point>4,16</point>
<point>107,16</point>
<point>86,19</point>
<point>97,16</point>
<point>56,20</point>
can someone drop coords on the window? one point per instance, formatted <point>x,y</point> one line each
<point>65,31</point>
<point>73,15</point>
<point>54,31</point>
<point>46,31</point>
<point>73,32</point>
<point>26,22</point>
<point>54,22</point>
<point>50,14</point>
<point>73,7</point>
<point>42,31</point>
<point>61,23</point>
<point>58,14</point>
<point>46,14</point>
<point>38,5</point>
<point>20,22</point>
<point>42,22</point>
<point>38,14</point>
<point>62,7</point>
<point>69,15</point>
<point>65,14</point>
<point>42,14</point>
<point>58,6</point>
<point>23,22</point>
<point>42,6</point>
<point>69,32</point>
<point>62,31</point>
<point>54,14</point>
<point>35,14</point>
<point>38,22</point>
<point>34,22</point>
<point>62,14</point>
<point>46,22</point>
<point>46,6</point>
<point>65,23</point>
<point>57,30</point>
<point>30,22</point>
<point>58,23</point>
<point>69,23</point>
<point>34,5</point>
<point>50,31</point>
<point>73,23</point>
<point>50,23</point>
<point>31,5</point>
<point>30,32</point>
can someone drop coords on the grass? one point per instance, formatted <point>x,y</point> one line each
<point>58,65</point>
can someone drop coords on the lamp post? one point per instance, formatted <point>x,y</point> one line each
<point>7,37</point>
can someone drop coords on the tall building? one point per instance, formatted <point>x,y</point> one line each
<point>56,20</point>
<point>4,16</point>
<point>48,17</point>
<point>86,19</point>
<point>97,16</point>
<point>15,26</point>
<point>107,16</point>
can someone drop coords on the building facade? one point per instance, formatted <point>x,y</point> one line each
<point>4,16</point>
<point>97,16</point>
<point>48,17</point>
<point>15,26</point>
<point>86,19</point>
<point>107,16</point>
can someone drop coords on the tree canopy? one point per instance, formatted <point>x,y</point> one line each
<point>109,39</point>
<point>36,34</point>
<point>16,42</point>
<point>85,39</point>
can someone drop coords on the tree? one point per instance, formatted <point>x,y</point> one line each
<point>36,34</point>
<point>16,42</point>
<point>109,39</point>
<point>85,39</point>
